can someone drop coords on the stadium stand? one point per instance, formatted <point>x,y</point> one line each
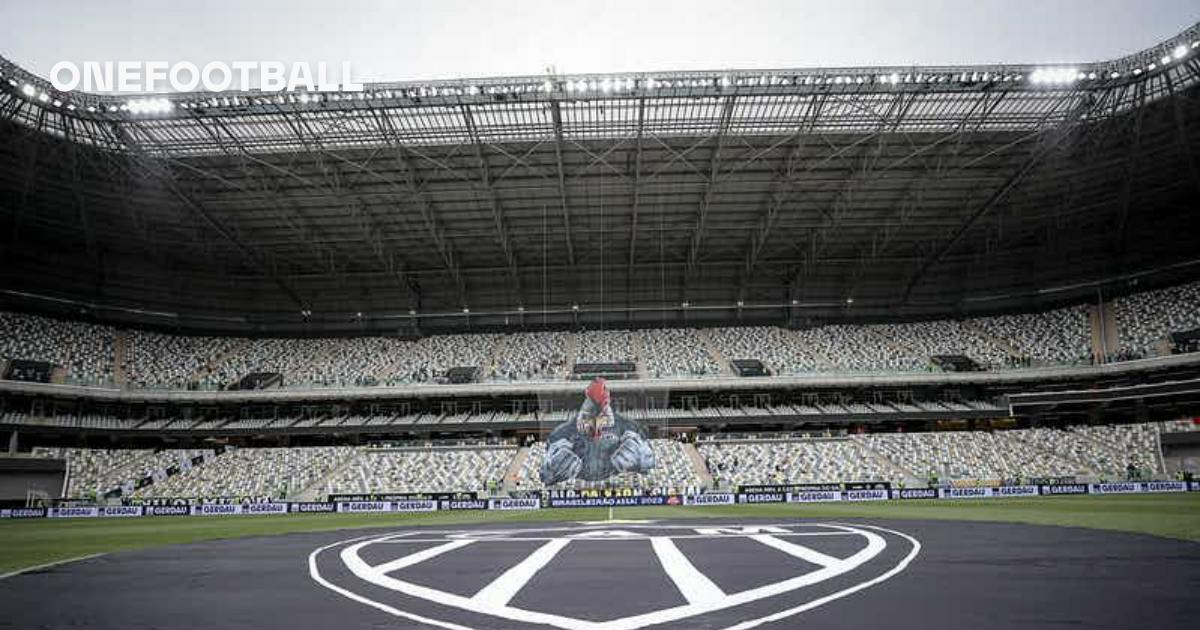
<point>859,349</point>
<point>1107,452</point>
<point>155,360</point>
<point>997,456</point>
<point>1144,320</point>
<point>943,337</point>
<point>256,472</point>
<point>85,350</point>
<point>676,352</point>
<point>605,346</point>
<point>1059,336</point>
<point>436,469</point>
<point>94,472</point>
<point>779,349</point>
<point>735,463</point>
<point>532,357</point>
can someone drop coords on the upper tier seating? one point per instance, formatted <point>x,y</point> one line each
<point>85,350</point>
<point>676,352</point>
<point>155,360</point>
<point>1144,320</point>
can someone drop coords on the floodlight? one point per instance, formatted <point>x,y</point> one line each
<point>740,303</point>
<point>547,86</point>
<point>574,307</point>
<point>27,90</point>
<point>1180,51</point>
<point>466,310</point>
<point>1166,59</point>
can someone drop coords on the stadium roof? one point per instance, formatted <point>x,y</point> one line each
<point>763,195</point>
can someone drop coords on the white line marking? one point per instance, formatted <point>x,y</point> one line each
<point>504,588</point>
<point>355,564</point>
<point>420,556</point>
<point>497,538</point>
<point>875,545</point>
<point>316,575</point>
<point>695,587</point>
<point>745,625</point>
<point>48,565</point>
<point>792,549</point>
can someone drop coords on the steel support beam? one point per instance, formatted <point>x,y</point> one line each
<point>493,202</point>
<point>556,113</point>
<point>714,166</point>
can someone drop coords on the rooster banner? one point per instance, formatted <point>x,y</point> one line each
<point>596,443</point>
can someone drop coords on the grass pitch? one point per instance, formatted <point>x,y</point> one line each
<point>28,543</point>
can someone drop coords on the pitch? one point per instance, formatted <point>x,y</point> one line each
<point>725,573</point>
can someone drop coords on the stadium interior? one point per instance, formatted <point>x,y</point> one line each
<point>917,276</point>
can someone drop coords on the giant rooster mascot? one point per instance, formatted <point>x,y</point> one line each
<point>597,443</point>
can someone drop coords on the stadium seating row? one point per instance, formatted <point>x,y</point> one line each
<point>1104,452</point>
<point>153,360</point>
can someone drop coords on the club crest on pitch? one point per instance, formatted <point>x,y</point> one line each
<point>612,578</point>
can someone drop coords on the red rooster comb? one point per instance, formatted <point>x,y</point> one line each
<point>597,392</point>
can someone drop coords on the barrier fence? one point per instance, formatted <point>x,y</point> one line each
<point>798,494</point>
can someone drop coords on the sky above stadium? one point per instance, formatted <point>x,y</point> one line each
<point>429,39</point>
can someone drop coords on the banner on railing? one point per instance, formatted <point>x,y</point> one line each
<point>120,511</point>
<point>168,510</point>
<point>573,502</point>
<point>35,512</point>
<point>217,509</point>
<point>1165,486</point>
<point>815,496</point>
<point>1064,488</point>
<point>1015,491</point>
<point>364,507</point>
<point>713,498</point>
<point>314,507</point>
<point>527,503</point>
<point>423,505</point>
<point>762,497</point>
<point>473,504</point>
<point>73,512</point>
<point>915,493</point>
<point>265,508</point>
<point>866,495</point>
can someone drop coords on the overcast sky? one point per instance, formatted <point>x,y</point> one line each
<point>454,38</point>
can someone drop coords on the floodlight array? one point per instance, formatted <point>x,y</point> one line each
<point>1131,68</point>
